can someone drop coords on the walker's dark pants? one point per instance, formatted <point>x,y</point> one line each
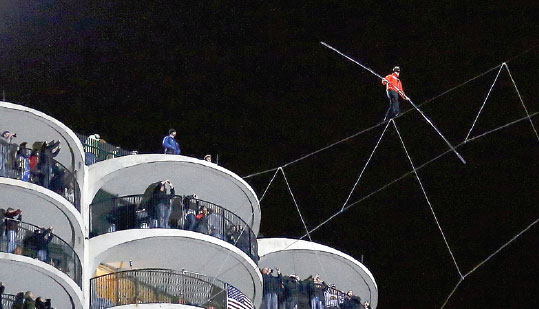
<point>393,109</point>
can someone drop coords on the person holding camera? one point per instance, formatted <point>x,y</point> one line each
<point>162,203</point>
<point>272,286</point>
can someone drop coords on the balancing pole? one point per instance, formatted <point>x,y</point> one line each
<point>401,92</point>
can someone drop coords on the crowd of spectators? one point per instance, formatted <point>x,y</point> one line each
<point>23,300</point>
<point>290,292</point>
<point>35,165</point>
<point>160,207</point>
<point>24,241</point>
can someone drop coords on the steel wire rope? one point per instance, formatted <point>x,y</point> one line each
<point>417,168</point>
<point>379,124</point>
<point>488,258</point>
<point>427,198</point>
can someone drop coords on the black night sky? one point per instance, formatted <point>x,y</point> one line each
<point>251,82</point>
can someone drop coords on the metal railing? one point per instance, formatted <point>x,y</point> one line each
<point>97,150</point>
<point>21,238</point>
<point>8,300</point>
<point>176,212</point>
<point>145,286</point>
<point>45,172</point>
<point>295,293</point>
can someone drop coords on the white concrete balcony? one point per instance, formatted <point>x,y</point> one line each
<point>304,259</point>
<point>32,126</point>
<point>176,250</point>
<point>44,208</point>
<point>152,288</point>
<point>133,174</point>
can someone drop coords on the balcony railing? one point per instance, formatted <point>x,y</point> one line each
<point>97,150</point>
<point>8,300</point>
<point>177,212</point>
<point>145,286</point>
<point>21,238</point>
<point>46,172</point>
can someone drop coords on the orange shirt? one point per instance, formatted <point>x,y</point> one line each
<point>394,84</point>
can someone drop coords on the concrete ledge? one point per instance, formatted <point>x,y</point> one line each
<point>21,273</point>
<point>133,174</point>
<point>177,250</point>
<point>305,258</point>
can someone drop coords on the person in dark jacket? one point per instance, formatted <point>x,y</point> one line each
<point>190,208</point>
<point>42,237</point>
<point>292,286</point>
<point>2,288</point>
<point>272,286</point>
<point>18,303</point>
<point>170,145</point>
<point>12,219</point>
<point>40,304</point>
<point>49,150</point>
<point>162,203</point>
<point>351,301</point>
<point>316,289</point>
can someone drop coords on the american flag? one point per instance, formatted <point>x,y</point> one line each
<point>237,300</point>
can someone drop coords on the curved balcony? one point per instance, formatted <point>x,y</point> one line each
<point>129,175</point>
<point>43,208</point>
<point>33,126</point>
<point>24,239</point>
<point>147,286</point>
<point>97,150</point>
<point>187,213</point>
<point>15,164</point>
<point>304,259</point>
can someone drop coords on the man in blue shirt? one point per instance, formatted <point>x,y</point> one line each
<point>169,143</point>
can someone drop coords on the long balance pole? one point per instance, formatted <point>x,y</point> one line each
<point>400,91</point>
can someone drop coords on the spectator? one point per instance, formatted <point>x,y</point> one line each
<point>351,301</point>
<point>292,287</point>
<point>40,304</point>
<point>23,162</point>
<point>91,149</point>
<point>272,285</point>
<point>162,203</point>
<point>42,237</point>
<point>190,207</point>
<point>12,227</point>
<point>34,161</point>
<point>316,289</point>
<point>207,157</point>
<point>18,303</point>
<point>49,150</point>
<point>170,145</point>
<point>2,288</point>
<point>202,220</point>
<point>215,224</point>
<point>29,300</point>
<point>6,150</point>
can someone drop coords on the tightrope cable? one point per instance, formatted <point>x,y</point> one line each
<point>379,124</point>
<point>483,105</point>
<point>410,172</point>
<point>427,198</point>
<point>365,166</point>
<point>521,101</point>
<point>488,258</point>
